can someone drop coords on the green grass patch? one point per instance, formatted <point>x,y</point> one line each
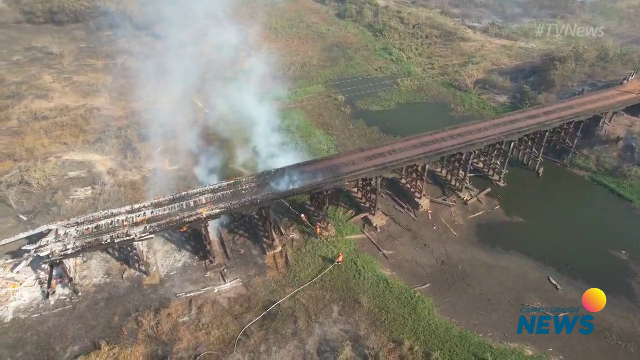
<point>400,313</point>
<point>315,142</point>
<point>426,89</point>
<point>625,188</point>
<point>335,49</point>
<point>606,172</point>
<point>304,92</point>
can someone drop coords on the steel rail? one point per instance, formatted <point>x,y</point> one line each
<point>124,224</point>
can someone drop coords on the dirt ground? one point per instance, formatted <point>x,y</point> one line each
<point>72,327</point>
<point>483,289</point>
<point>65,86</point>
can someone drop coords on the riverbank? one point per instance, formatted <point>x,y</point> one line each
<point>355,309</point>
<point>482,286</point>
<point>612,162</point>
<point>317,49</point>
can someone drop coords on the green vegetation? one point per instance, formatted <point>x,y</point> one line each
<point>404,324</point>
<point>431,54</point>
<point>461,102</point>
<point>606,170</point>
<point>445,61</point>
<point>402,314</point>
<point>316,143</point>
<point>317,48</point>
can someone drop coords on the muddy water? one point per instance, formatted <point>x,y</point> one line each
<point>564,220</point>
<point>410,119</point>
<point>570,224</point>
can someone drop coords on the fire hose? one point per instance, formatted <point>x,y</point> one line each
<point>338,261</point>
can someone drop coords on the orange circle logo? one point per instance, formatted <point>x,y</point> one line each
<point>594,300</point>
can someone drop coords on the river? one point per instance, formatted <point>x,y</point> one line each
<point>564,220</point>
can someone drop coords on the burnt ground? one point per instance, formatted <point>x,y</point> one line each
<point>477,287</point>
<point>68,329</point>
<point>58,70</point>
<point>483,289</point>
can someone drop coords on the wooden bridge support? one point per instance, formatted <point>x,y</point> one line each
<point>216,252</point>
<point>132,256</point>
<point>415,177</point>
<point>141,260</point>
<point>566,136</point>
<point>64,266</point>
<point>272,228</point>
<point>320,202</point>
<point>368,189</point>
<point>455,169</point>
<point>607,117</point>
<point>492,160</point>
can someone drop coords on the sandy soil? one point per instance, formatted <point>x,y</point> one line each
<point>483,289</point>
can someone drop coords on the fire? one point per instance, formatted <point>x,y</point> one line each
<point>184,228</point>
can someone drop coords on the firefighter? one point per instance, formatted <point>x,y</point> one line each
<point>339,259</point>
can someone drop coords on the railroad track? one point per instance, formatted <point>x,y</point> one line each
<point>139,221</point>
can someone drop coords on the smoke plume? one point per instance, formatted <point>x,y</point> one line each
<point>207,91</point>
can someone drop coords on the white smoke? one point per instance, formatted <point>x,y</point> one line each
<point>207,91</point>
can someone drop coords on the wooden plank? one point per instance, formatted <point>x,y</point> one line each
<point>375,243</point>
<point>475,198</point>
<point>441,202</point>
<point>215,289</point>
<point>210,232</point>
<point>358,217</point>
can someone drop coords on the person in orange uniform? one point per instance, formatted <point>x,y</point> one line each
<point>339,260</point>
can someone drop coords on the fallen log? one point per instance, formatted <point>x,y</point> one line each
<point>554,283</point>
<point>420,287</point>
<point>400,202</point>
<point>476,214</point>
<point>215,289</point>
<point>441,202</point>
<point>358,217</point>
<point>450,229</point>
<point>375,243</point>
<point>476,198</point>
<point>355,237</point>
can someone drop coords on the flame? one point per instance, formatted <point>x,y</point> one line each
<point>184,228</point>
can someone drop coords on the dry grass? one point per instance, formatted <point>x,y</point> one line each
<point>60,12</point>
<point>38,176</point>
<point>111,352</point>
<point>381,317</point>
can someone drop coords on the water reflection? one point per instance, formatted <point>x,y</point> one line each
<point>570,224</point>
<point>567,222</point>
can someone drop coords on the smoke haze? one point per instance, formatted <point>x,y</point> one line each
<point>207,89</point>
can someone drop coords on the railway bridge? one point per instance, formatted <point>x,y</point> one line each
<point>449,155</point>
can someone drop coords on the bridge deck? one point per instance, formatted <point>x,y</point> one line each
<point>213,201</point>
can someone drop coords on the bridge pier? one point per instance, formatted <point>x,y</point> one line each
<point>415,178</point>
<point>217,253</point>
<point>565,137</point>
<point>67,269</point>
<point>320,203</point>
<point>272,229</point>
<point>538,166</point>
<point>492,161</point>
<point>130,255</point>
<point>141,259</point>
<point>368,190</point>
<point>455,169</point>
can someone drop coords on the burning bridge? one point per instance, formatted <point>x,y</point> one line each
<point>449,154</point>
